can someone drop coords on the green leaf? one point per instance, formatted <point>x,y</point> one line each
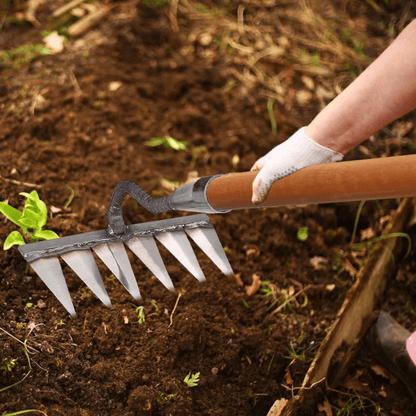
<point>11,213</point>
<point>192,380</point>
<point>45,235</point>
<point>303,233</point>
<point>156,141</point>
<point>35,210</point>
<point>176,144</point>
<point>14,238</point>
<point>28,221</point>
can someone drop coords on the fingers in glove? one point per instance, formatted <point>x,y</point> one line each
<point>258,165</point>
<point>265,179</point>
<point>261,186</point>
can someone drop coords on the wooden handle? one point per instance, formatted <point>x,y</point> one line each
<point>384,178</point>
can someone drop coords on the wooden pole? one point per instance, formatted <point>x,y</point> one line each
<point>383,178</point>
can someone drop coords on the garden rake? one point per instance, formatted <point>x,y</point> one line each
<point>337,182</point>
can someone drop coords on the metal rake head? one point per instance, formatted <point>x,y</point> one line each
<point>110,246</point>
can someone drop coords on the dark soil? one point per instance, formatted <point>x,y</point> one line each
<point>84,136</point>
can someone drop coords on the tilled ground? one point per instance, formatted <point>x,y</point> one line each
<point>65,126</point>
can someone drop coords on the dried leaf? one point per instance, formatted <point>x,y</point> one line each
<point>325,407</point>
<point>367,234</point>
<point>288,377</point>
<point>381,371</point>
<point>238,279</point>
<point>382,392</point>
<point>255,286</point>
<point>316,261</point>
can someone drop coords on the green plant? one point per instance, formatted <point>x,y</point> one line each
<point>353,405</point>
<point>11,363</point>
<point>302,233</point>
<point>8,364</point>
<point>31,221</point>
<point>305,354</point>
<point>270,104</point>
<point>168,142</point>
<point>192,380</point>
<point>23,55</point>
<point>140,314</point>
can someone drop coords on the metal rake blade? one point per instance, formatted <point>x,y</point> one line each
<point>110,248</point>
<point>114,256</point>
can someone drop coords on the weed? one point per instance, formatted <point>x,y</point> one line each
<point>70,198</point>
<point>31,221</point>
<point>192,380</point>
<point>359,246</point>
<point>154,304</point>
<point>8,364</point>
<point>30,305</point>
<point>162,398</point>
<point>140,315</point>
<point>168,142</point>
<point>23,55</point>
<point>271,115</point>
<point>302,234</point>
<point>305,354</point>
<point>353,405</point>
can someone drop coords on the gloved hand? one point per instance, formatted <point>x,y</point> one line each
<point>297,152</point>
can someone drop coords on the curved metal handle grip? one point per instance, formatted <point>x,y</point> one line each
<point>116,223</point>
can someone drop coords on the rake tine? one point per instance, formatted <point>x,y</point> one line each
<point>50,272</point>
<point>178,244</point>
<point>104,252</point>
<point>146,250</point>
<point>126,277</point>
<point>83,264</point>
<point>208,241</point>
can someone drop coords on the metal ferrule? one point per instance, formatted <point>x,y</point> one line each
<point>193,197</point>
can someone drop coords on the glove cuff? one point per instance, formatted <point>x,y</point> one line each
<point>312,151</point>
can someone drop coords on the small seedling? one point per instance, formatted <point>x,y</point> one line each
<point>30,305</point>
<point>302,233</point>
<point>8,364</point>
<point>31,221</point>
<point>192,380</point>
<point>168,142</point>
<point>140,314</point>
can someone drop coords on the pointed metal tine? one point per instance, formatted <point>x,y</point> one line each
<point>50,272</point>
<point>146,250</point>
<point>104,253</point>
<point>178,244</point>
<point>207,239</point>
<point>82,262</point>
<point>125,274</point>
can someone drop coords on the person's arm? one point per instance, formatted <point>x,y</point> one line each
<point>385,91</point>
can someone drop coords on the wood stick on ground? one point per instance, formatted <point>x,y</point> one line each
<point>15,182</point>
<point>174,308</point>
<point>66,8</point>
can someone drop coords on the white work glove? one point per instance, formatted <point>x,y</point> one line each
<point>297,152</point>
